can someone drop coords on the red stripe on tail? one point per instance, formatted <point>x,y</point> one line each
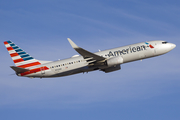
<point>14,54</point>
<point>18,60</point>
<point>9,48</point>
<point>29,65</point>
<point>6,43</point>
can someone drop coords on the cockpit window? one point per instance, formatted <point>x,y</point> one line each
<point>164,42</point>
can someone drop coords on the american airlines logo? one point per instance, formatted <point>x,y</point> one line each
<point>129,50</point>
<point>149,45</point>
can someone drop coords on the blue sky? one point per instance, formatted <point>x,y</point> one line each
<point>148,89</point>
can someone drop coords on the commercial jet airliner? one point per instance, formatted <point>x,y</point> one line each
<point>106,61</point>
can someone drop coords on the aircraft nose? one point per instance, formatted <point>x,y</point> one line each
<point>173,46</point>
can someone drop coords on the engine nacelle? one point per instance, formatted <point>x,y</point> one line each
<point>111,69</point>
<point>114,61</point>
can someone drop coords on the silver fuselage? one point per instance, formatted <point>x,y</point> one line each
<point>78,64</point>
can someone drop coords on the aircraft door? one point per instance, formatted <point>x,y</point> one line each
<point>156,50</point>
<point>42,70</point>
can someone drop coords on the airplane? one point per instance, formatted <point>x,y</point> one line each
<point>107,61</point>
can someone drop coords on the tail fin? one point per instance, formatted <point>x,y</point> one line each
<point>20,57</point>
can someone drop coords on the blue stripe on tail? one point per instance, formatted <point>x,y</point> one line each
<point>9,41</point>
<point>29,58</point>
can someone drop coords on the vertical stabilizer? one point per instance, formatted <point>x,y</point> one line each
<point>20,57</point>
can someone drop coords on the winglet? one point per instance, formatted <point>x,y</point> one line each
<point>72,43</point>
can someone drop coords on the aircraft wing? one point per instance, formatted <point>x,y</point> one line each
<point>86,54</point>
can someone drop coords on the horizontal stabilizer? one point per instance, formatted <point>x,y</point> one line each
<point>18,69</point>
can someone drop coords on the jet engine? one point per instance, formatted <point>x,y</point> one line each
<point>111,69</point>
<point>114,61</point>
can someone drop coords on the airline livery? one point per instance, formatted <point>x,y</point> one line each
<point>106,61</point>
